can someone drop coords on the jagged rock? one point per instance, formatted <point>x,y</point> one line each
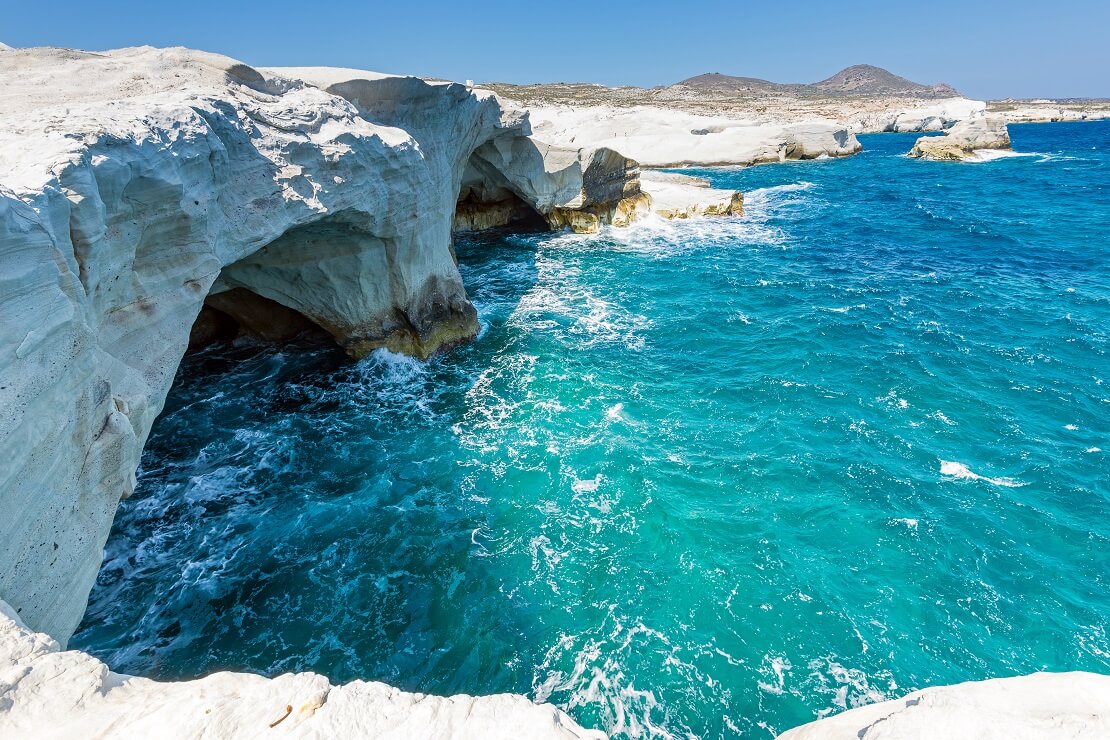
<point>965,139</point>
<point>48,693</point>
<point>1041,706</point>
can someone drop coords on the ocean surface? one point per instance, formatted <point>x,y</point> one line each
<point>704,479</point>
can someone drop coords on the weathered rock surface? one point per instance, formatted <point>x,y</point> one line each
<point>1048,111</point>
<point>663,137</point>
<point>1041,706</point>
<point>925,117</point>
<point>675,195</point>
<point>136,185</point>
<point>48,693</point>
<point>965,139</point>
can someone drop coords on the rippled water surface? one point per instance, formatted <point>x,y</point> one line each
<point>703,479</point>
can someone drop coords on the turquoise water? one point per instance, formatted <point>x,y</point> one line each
<point>704,479</point>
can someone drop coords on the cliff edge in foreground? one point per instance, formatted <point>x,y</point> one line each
<point>1041,706</point>
<point>49,693</point>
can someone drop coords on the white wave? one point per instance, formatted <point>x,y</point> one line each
<point>599,679</point>
<point>908,523</point>
<point>959,470</point>
<point>792,187</point>
<point>991,155</point>
<point>845,309</point>
<point>589,485</point>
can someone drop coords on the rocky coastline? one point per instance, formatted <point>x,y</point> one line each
<point>153,199</point>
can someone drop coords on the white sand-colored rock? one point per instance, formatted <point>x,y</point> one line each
<point>1046,111</point>
<point>667,137</point>
<point>936,115</point>
<point>675,195</point>
<point>1041,706</point>
<point>966,140</point>
<point>47,693</point>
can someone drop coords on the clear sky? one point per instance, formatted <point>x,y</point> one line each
<point>985,48</point>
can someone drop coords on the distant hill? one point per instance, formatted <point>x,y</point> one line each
<point>858,80</point>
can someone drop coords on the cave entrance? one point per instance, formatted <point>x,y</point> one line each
<point>239,312</point>
<point>479,209</point>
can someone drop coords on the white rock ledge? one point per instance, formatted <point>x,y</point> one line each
<point>47,693</point>
<point>1040,706</point>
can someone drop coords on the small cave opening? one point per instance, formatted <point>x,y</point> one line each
<point>238,312</point>
<point>482,209</point>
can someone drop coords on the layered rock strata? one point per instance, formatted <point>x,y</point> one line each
<point>965,140</point>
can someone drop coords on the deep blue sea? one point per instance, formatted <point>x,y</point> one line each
<point>699,479</point>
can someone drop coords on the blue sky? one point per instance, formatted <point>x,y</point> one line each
<point>986,48</point>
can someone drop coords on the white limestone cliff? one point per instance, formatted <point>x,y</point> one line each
<point>675,195</point>
<point>143,189</point>
<point>1041,706</point>
<point>667,137</point>
<point>137,184</point>
<point>967,140</point>
<point>52,694</point>
<point>926,117</point>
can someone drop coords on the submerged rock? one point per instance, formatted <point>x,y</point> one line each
<point>963,140</point>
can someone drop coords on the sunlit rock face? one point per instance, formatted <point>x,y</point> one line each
<point>1040,706</point>
<point>965,139</point>
<point>140,184</point>
<point>48,693</point>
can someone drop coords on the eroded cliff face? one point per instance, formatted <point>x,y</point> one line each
<point>136,185</point>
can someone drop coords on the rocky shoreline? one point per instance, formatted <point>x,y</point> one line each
<point>152,198</point>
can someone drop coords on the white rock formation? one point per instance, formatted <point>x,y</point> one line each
<point>965,140</point>
<point>1041,706</point>
<point>48,693</point>
<point>674,195</point>
<point>1046,111</point>
<point>135,183</point>
<point>932,116</point>
<point>667,137</point>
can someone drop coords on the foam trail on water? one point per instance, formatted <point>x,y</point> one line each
<point>959,470</point>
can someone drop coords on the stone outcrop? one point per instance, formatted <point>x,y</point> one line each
<point>965,139</point>
<point>666,137</point>
<point>681,196</point>
<point>1041,706</point>
<point>927,117</point>
<point>49,693</point>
